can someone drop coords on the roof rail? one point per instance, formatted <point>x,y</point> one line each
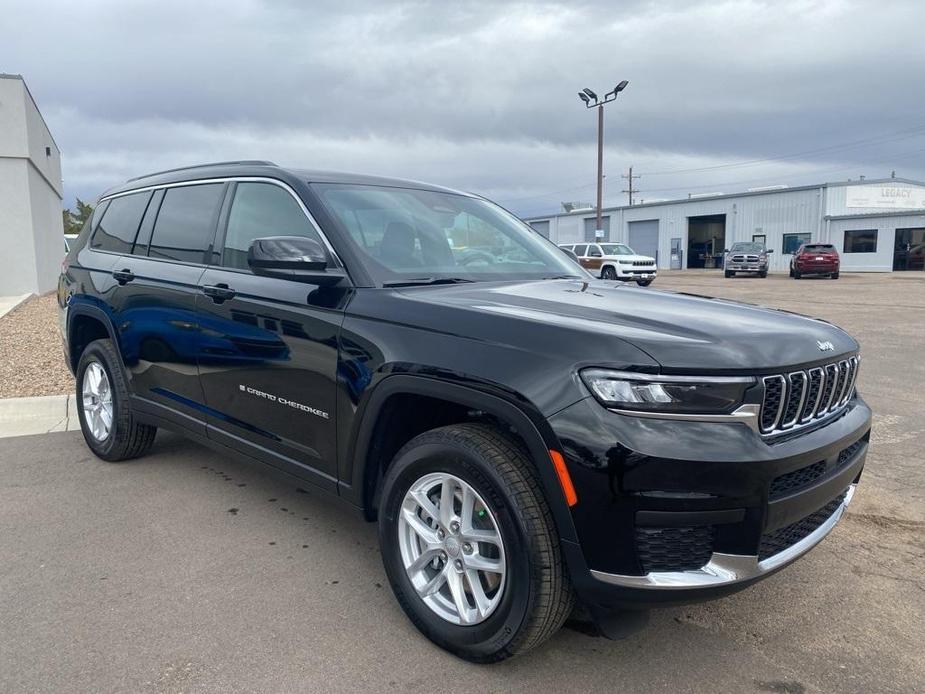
<point>243,162</point>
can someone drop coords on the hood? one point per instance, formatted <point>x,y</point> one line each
<point>684,333</point>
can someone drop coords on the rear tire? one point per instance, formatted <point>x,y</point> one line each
<point>100,370</point>
<point>834,275</point>
<point>533,596</point>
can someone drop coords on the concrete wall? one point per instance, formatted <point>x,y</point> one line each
<point>31,228</point>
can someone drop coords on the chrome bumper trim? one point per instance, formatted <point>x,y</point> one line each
<point>728,569</point>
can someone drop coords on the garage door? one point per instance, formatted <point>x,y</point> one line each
<point>643,237</point>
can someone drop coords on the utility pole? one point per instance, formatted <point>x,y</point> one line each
<point>629,188</point>
<point>591,101</point>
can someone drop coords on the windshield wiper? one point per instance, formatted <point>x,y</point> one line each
<point>563,277</point>
<point>420,281</point>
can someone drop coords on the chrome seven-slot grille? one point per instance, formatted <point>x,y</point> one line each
<point>800,397</point>
<point>643,263</point>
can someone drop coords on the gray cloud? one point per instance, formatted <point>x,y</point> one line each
<point>479,95</point>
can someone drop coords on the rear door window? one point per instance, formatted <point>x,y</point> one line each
<point>581,250</point>
<point>119,225</point>
<point>260,210</point>
<point>186,222</point>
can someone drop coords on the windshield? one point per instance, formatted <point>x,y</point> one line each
<point>616,249</point>
<point>404,235</point>
<point>747,248</point>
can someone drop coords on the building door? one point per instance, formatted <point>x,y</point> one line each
<point>591,228</point>
<point>706,239</point>
<point>542,228</point>
<point>909,249</point>
<point>643,238</point>
<point>677,254</point>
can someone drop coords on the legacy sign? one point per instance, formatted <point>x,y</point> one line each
<point>886,196</point>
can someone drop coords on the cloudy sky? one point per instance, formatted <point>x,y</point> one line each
<point>481,95</point>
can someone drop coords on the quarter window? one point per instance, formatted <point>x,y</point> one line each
<point>260,210</point>
<point>116,231</point>
<point>861,241</point>
<point>186,221</point>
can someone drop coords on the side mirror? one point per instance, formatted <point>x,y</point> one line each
<point>725,250</point>
<point>293,258</point>
<point>770,250</point>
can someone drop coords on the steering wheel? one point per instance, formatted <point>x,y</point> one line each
<point>477,257</point>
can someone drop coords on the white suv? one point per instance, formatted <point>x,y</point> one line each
<point>614,261</point>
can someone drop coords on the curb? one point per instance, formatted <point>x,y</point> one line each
<point>17,302</point>
<point>38,415</point>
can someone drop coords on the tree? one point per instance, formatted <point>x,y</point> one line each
<point>74,221</point>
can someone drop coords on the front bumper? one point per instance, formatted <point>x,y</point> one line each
<point>746,267</point>
<point>636,273</point>
<point>678,511</point>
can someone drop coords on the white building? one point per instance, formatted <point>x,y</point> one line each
<point>31,227</point>
<point>876,225</point>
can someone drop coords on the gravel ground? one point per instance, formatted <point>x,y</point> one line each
<point>31,360</point>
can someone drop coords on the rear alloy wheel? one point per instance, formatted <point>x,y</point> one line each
<point>103,407</point>
<point>608,273</point>
<point>469,544</point>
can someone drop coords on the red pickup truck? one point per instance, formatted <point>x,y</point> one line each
<point>815,259</point>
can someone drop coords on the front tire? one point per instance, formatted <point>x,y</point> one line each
<point>608,273</point>
<point>797,274</point>
<point>106,420</point>
<point>728,274</point>
<point>643,283</point>
<point>469,545</point>
<point>763,273</point>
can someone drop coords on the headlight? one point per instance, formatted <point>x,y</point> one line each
<point>626,390</point>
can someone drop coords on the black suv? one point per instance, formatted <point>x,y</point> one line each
<point>529,439</point>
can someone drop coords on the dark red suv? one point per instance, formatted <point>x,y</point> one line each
<point>815,259</point>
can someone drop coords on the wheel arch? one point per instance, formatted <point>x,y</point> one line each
<point>366,462</point>
<point>86,323</point>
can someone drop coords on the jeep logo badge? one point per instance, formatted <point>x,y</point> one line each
<point>825,346</point>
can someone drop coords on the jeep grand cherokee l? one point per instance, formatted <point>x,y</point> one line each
<point>527,437</point>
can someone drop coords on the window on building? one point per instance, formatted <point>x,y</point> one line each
<point>860,241</point>
<point>542,228</point>
<point>186,221</point>
<point>591,228</point>
<point>119,225</point>
<point>793,241</point>
<point>258,210</point>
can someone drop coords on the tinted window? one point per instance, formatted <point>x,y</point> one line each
<point>259,210</point>
<point>861,241</point>
<point>581,250</point>
<point>792,241</point>
<point>185,222</point>
<point>147,225</point>
<point>117,229</point>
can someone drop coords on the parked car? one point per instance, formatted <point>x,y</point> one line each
<point>614,261</point>
<point>528,438</point>
<point>815,259</point>
<point>746,256</point>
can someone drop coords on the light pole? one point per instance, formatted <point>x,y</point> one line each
<point>591,101</point>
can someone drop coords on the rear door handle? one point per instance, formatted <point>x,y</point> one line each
<point>123,276</point>
<point>219,292</point>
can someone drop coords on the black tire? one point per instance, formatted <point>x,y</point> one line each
<point>608,273</point>
<point>834,275</point>
<point>729,273</point>
<point>797,274</point>
<point>763,273</point>
<point>537,596</point>
<point>643,283</point>
<point>791,270</point>
<point>127,437</point>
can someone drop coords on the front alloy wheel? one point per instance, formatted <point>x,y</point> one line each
<point>451,548</point>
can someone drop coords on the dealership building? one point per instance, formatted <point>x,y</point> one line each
<point>31,225</point>
<point>876,225</point>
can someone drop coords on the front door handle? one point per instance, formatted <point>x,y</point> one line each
<point>123,276</point>
<point>218,292</point>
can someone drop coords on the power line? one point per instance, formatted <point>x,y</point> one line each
<point>879,139</point>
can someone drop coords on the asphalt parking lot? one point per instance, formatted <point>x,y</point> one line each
<point>184,572</point>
